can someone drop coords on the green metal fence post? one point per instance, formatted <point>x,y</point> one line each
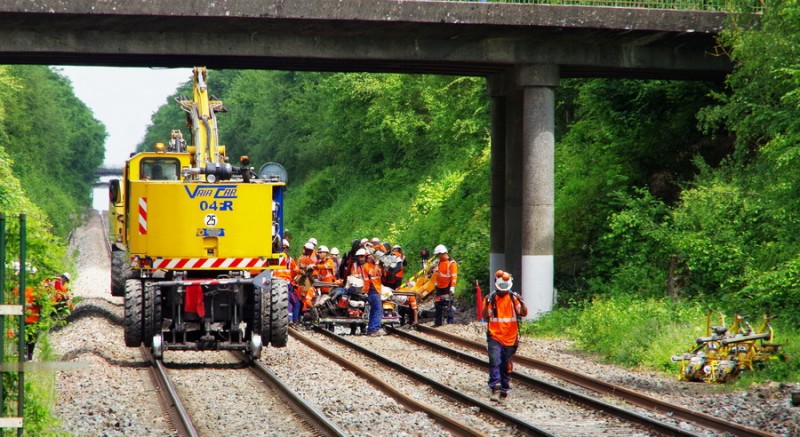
<point>22,346</point>
<point>2,302</point>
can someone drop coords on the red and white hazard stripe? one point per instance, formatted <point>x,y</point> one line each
<point>209,263</point>
<point>142,216</point>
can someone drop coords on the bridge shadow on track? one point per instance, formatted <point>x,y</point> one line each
<point>76,353</point>
<point>90,310</point>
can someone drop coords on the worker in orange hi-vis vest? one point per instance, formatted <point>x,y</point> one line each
<point>446,279</point>
<point>372,287</point>
<point>287,271</point>
<point>326,269</point>
<point>503,309</point>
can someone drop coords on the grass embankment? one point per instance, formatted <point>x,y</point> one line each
<point>645,333</point>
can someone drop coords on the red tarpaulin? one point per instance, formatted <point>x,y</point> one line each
<point>194,300</point>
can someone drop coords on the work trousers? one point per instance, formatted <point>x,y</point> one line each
<point>375,312</point>
<point>294,305</point>
<point>442,306</point>
<point>499,359</point>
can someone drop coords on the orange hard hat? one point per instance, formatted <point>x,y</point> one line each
<point>498,273</point>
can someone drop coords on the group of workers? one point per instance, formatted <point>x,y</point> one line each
<point>319,269</point>
<point>52,293</point>
<point>502,309</point>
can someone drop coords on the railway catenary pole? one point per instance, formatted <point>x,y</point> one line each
<point>2,300</point>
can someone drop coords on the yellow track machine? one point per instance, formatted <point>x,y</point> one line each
<point>195,241</point>
<point>726,351</point>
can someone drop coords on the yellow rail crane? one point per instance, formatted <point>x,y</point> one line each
<point>195,240</point>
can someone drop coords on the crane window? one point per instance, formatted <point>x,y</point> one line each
<point>159,169</point>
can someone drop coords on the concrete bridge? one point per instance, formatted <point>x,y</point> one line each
<point>523,50</point>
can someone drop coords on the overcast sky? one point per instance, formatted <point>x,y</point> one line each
<point>124,99</point>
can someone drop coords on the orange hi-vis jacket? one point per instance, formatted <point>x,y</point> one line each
<point>503,323</point>
<point>305,261</point>
<point>447,273</point>
<point>372,276</point>
<point>288,269</point>
<point>358,271</point>
<point>31,308</point>
<point>326,273</point>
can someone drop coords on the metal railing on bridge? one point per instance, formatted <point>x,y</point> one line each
<point>687,5</point>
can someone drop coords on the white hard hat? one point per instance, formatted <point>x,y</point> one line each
<point>439,249</point>
<point>308,246</point>
<point>503,284</point>
<point>363,240</point>
<point>323,249</point>
<point>376,240</point>
<point>286,243</point>
<point>313,241</point>
<point>66,276</point>
<point>361,252</point>
<point>334,251</point>
<point>397,246</point>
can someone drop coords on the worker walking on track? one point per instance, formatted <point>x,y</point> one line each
<point>503,309</point>
<point>446,280</point>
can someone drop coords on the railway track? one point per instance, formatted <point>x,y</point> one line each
<point>607,389</point>
<point>234,385</point>
<point>309,418</point>
<point>521,421</point>
<point>478,418</point>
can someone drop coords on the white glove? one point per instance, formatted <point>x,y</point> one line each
<point>452,290</point>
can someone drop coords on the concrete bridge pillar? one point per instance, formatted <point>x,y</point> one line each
<point>537,187</point>
<point>496,90</point>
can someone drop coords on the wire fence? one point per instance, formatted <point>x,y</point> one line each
<point>690,5</point>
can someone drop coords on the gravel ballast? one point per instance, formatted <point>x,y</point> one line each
<point>114,394</point>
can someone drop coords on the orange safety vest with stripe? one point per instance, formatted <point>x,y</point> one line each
<point>305,261</point>
<point>372,276</point>
<point>325,272</point>
<point>504,313</point>
<point>287,270</point>
<point>447,273</point>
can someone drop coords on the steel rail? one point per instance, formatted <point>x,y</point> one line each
<point>631,416</point>
<point>597,385</point>
<point>443,419</point>
<point>499,414</point>
<point>171,401</point>
<point>310,414</point>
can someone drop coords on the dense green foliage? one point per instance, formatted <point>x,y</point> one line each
<point>50,148</point>
<point>732,228</point>
<point>54,143</point>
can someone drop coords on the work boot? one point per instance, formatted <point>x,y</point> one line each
<point>495,395</point>
<point>503,396</point>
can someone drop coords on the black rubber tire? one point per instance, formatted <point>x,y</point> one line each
<point>120,272</point>
<point>275,314</point>
<point>255,307</point>
<point>133,313</point>
<point>151,303</point>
